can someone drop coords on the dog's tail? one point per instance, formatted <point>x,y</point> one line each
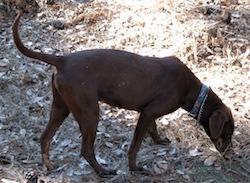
<point>50,59</point>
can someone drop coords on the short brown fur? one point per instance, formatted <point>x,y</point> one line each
<point>152,86</point>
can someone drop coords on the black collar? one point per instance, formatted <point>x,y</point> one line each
<point>197,109</point>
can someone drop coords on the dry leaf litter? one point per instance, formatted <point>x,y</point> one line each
<point>211,37</point>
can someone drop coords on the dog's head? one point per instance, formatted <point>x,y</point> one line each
<point>221,127</point>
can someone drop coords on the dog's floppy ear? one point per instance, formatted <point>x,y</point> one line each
<point>216,123</point>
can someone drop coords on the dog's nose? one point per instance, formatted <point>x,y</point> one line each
<point>228,153</point>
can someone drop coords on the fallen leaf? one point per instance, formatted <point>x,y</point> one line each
<point>210,161</point>
<point>194,152</point>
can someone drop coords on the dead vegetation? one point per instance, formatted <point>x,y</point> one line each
<point>211,37</point>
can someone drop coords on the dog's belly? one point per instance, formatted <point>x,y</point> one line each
<point>125,99</point>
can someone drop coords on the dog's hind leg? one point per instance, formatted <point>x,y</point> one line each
<point>85,109</point>
<point>59,112</point>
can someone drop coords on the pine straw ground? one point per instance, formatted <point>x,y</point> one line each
<point>212,39</point>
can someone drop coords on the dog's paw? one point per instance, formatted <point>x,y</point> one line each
<point>47,163</point>
<point>137,168</point>
<point>50,166</point>
<point>164,141</point>
<point>141,170</point>
<point>107,173</point>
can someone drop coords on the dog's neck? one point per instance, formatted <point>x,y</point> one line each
<point>198,106</point>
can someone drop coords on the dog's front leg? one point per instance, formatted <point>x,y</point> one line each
<point>156,137</point>
<point>88,130</point>
<point>144,123</point>
<point>84,107</point>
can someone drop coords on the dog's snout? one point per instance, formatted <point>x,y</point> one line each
<point>224,146</point>
<point>228,153</point>
<point>226,150</point>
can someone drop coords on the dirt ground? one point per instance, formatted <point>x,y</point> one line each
<point>211,37</point>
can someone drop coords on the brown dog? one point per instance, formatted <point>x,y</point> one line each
<point>152,86</point>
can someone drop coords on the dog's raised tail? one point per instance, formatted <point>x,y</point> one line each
<point>48,58</point>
